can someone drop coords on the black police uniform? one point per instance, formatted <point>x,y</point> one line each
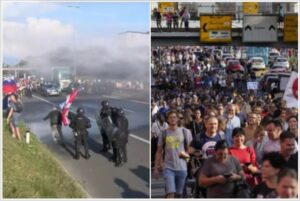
<point>80,124</point>
<point>119,144</point>
<point>105,111</point>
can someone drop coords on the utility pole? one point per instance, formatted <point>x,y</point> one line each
<point>74,42</point>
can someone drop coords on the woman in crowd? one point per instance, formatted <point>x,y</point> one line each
<point>220,172</point>
<point>245,155</point>
<point>271,165</point>
<point>257,142</point>
<point>221,125</point>
<point>196,126</point>
<point>287,184</point>
<point>188,117</point>
<point>293,125</point>
<point>158,127</point>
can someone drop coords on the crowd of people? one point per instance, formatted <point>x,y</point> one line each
<point>172,19</point>
<point>208,127</point>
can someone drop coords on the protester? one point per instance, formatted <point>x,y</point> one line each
<point>271,165</point>
<point>220,172</point>
<point>245,155</point>
<point>287,184</point>
<point>173,144</point>
<point>56,125</point>
<point>14,115</point>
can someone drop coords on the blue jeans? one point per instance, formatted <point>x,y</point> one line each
<point>174,180</point>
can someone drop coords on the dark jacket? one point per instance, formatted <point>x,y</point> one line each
<point>80,123</point>
<point>55,117</point>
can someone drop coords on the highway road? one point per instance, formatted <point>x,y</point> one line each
<point>98,176</point>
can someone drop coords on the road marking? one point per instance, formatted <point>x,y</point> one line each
<point>43,100</point>
<point>94,120</point>
<point>136,101</point>
<point>130,111</point>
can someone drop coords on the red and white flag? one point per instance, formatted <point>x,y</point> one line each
<point>291,91</point>
<point>66,105</point>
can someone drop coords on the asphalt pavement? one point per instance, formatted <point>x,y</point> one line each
<point>98,176</point>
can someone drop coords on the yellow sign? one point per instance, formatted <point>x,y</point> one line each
<point>215,28</point>
<point>166,7</point>
<point>250,7</point>
<point>290,30</point>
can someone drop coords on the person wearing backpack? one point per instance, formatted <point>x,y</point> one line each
<point>56,124</point>
<point>14,115</point>
<point>172,151</point>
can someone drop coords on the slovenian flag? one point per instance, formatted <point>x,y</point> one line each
<point>66,105</point>
<point>9,86</point>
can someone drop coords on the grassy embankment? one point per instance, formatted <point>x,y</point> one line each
<point>30,171</point>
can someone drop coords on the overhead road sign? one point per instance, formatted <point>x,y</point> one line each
<point>257,28</point>
<point>215,28</point>
<point>250,7</point>
<point>290,29</point>
<point>166,7</point>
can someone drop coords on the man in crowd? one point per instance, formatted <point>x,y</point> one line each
<point>55,124</point>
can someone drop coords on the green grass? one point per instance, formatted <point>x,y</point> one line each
<point>30,171</point>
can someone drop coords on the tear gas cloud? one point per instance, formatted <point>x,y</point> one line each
<point>121,57</point>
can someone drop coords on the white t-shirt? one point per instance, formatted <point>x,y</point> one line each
<point>157,129</point>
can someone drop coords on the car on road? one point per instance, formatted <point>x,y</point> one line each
<point>273,55</point>
<point>50,89</point>
<point>234,66</point>
<point>257,63</point>
<point>278,69</point>
<point>281,61</point>
<point>274,81</point>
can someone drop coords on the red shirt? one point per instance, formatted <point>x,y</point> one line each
<point>245,155</point>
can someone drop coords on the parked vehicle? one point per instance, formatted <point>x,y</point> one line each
<point>234,66</point>
<point>51,89</point>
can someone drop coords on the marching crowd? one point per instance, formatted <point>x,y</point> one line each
<point>208,127</point>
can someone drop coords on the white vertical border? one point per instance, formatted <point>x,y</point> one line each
<point>150,95</point>
<point>1,95</point>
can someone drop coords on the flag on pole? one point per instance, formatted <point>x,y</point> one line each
<point>291,91</point>
<point>66,105</point>
<point>9,86</point>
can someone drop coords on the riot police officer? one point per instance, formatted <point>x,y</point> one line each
<point>106,110</point>
<point>120,143</point>
<point>80,123</point>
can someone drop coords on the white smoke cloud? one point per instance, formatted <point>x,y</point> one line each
<point>46,43</point>
<point>35,36</point>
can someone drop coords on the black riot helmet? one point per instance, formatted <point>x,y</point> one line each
<point>80,110</point>
<point>105,103</point>
<point>121,112</point>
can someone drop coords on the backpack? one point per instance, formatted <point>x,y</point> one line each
<point>80,123</point>
<point>18,107</point>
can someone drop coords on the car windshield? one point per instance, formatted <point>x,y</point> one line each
<point>257,61</point>
<point>272,54</point>
<point>234,62</point>
<point>49,86</point>
<point>281,60</point>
